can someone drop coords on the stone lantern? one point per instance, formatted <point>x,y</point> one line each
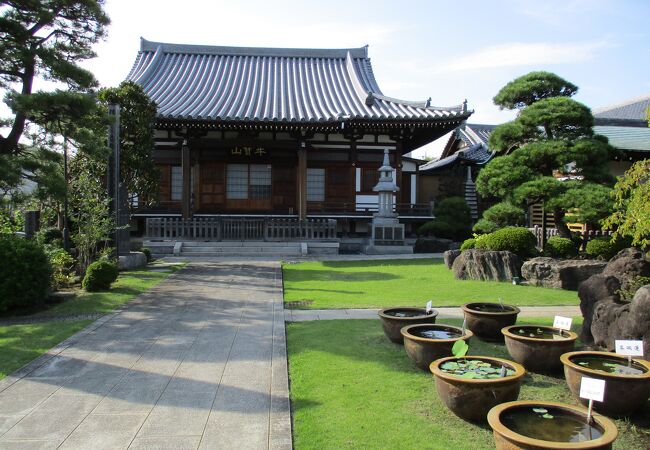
<point>386,229</point>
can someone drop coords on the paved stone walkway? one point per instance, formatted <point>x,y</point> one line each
<point>197,362</point>
<point>303,315</point>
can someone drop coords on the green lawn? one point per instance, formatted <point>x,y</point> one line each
<point>405,282</point>
<point>352,388</point>
<point>19,344</point>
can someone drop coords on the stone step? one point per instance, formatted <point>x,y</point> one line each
<point>238,254</point>
<point>239,244</point>
<point>241,250</point>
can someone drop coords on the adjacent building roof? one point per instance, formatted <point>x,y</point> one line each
<point>468,144</point>
<point>626,137</point>
<point>633,112</point>
<point>238,84</point>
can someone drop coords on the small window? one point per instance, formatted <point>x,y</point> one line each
<point>260,175</point>
<point>177,183</point>
<point>315,185</point>
<point>237,182</point>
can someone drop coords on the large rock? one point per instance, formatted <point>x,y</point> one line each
<point>627,265</point>
<point>560,273</point>
<point>596,290</point>
<point>132,261</point>
<point>449,257</point>
<point>613,321</point>
<point>434,245</point>
<point>487,265</point>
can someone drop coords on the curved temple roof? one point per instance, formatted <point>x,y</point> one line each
<point>194,82</point>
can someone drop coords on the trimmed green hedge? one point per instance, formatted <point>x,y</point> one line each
<point>100,275</point>
<point>468,244</point>
<point>24,273</point>
<point>517,240</point>
<point>559,247</point>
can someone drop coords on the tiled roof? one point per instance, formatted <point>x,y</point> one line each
<point>626,138</point>
<point>235,84</point>
<point>477,154</point>
<point>473,133</point>
<point>634,110</point>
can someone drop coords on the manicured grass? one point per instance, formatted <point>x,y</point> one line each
<point>405,282</point>
<point>19,344</point>
<point>352,388</point>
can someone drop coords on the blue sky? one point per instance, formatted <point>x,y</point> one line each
<point>445,50</point>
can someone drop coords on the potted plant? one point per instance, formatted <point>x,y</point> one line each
<point>394,319</point>
<point>424,343</point>
<point>471,385</point>
<point>628,385</point>
<point>487,319</point>
<point>549,425</point>
<point>538,348</point>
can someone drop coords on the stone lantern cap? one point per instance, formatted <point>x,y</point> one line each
<point>386,182</point>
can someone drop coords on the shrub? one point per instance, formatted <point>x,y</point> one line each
<point>62,263</point>
<point>514,239</point>
<point>50,236</point>
<point>24,273</point>
<point>485,226</point>
<point>481,242</point>
<point>468,244</point>
<point>453,220</point>
<point>634,285</point>
<point>147,253</point>
<point>505,214</point>
<point>559,247</point>
<point>99,276</point>
<point>602,248</point>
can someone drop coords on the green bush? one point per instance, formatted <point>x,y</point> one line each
<point>468,244</point>
<point>453,220</point>
<point>505,214</point>
<point>100,275</point>
<point>147,253</point>
<point>485,226</point>
<point>513,239</point>
<point>481,242</point>
<point>50,236</point>
<point>62,264</point>
<point>602,248</point>
<point>24,274</point>
<point>559,247</point>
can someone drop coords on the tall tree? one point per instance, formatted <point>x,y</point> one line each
<point>550,142</point>
<point>137,113</point>
<point>45,38</point>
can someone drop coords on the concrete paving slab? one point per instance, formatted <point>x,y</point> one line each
<point>200,360</point>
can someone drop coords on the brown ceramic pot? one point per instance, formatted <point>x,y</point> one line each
<point>392,325</point>
<point>506,439</point>
<point>487,325</point>
<point>624,394</point>
<point>423,351</point>
<point>471,399</point>
<point>535,354</point>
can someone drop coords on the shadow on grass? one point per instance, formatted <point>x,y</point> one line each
<point>338,275</point>
<point>384,262</point>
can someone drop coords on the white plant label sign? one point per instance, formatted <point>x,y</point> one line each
<point>629,348</point>
<point>592,389</point>
<point>429,307</point>
<point>562,323</point>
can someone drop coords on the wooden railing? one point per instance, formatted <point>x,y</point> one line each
<point>240,229</point>
<point>363,209</point>
<point>584,236</point>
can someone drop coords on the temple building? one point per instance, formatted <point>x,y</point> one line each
<point>247,139</point>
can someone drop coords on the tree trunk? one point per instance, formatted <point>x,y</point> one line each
<point>9,144</point>
<point>560,226</point>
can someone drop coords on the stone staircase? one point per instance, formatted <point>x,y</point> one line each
<point>239,248</point>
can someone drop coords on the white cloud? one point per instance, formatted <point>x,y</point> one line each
<point>524,54</point>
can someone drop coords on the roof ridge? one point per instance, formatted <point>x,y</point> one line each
<point>627,102</point>
<point>151,46</point>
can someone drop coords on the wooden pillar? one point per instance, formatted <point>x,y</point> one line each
<point>301,191</point>
<point>186,164</point>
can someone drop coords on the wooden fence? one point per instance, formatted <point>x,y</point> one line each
<point>240,229</point>
<point>584,236</point>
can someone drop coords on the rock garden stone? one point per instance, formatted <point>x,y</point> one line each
<point>560,273</point>
<point>597,289</point>
<point>627,265</point>
<point>487,265</point>
<point>449,257</point>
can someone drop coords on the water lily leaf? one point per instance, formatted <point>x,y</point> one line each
<point>449,365</point>
<point>521,332</point>
<point>582,363</point>
<point>540,410</point>
<point>460,348</point>
<point>510,372</point>
<point>494,375</point>
<point>547,416</point>
<point>469,375</point>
